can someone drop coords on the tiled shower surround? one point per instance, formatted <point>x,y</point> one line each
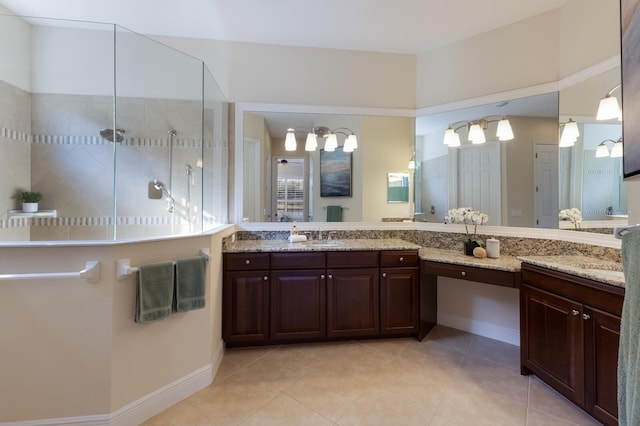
<point>51,144</point>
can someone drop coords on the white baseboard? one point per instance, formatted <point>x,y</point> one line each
<point>146,407</point>
<point>481,328</point>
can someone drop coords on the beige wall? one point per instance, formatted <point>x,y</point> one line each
<point>73,348</point>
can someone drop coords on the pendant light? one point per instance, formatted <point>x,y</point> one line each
<point>290,143</point>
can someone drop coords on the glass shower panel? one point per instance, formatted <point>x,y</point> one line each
<point>215,154</point>
<point>57,95</point>
<point>159,112</point>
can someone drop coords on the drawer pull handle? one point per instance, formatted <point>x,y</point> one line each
<point>464,274</point>
<point>322,276</point>
<point>265,278</point>
<point>586,316</point>
<point>246,262</point>
<point>574,312</point>
<point>330,276</point>
<point>384,275</point>
<point>401,259</point>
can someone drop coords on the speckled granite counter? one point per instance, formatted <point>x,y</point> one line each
<point>456,257</point>
<point>241,246</point>
<point>604,271</point>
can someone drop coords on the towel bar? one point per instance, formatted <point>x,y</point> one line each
<point>124,268</point>
<point>91,273</point>
<point>342,207</point>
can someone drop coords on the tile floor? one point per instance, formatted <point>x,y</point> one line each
<point>450,378</point>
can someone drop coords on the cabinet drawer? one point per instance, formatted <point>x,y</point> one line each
<point>246,261</point>
<point>483,275</point>
<point>393,258</point>
<point>352,259</point>
<point>297,260</point>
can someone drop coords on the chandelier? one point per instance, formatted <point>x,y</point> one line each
<point>330,136</point>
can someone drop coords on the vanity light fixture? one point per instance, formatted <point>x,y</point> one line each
<point>412,162</point>
<point>331,143</point>
<point>616,151</point>
<point>476,129</point>
<point>603,151</point>
<point>609,107</point>
<point>570,134</point>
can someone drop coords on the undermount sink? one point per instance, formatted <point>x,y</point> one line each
<point>324,243</point>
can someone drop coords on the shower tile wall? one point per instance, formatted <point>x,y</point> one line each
<point>15,128</point>
<point>72,166</point>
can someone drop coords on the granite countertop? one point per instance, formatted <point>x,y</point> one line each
<point>456,257</point>
<point>318,245</point>
<point>604,271</point>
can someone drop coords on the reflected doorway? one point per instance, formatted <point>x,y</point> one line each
<point>546,194</point>
<point>289,200</point>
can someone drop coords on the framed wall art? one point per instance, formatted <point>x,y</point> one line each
<point>335,173</point>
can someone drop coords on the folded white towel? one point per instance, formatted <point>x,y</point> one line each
<point>297,238</point>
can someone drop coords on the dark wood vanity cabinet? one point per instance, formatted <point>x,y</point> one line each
<point>570,331</point>
<point>311,296</point>
<point>246,298</point>
<point>399,292</point>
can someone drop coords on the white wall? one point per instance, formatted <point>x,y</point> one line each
<point>15,45</point>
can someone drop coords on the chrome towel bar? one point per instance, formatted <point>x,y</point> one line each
<point>91,273</point>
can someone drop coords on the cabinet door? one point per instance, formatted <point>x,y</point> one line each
<point>399,300</point>
<point>602,337</point>
<point>246,307</point>
<point>552,342</point>
<point>298,305</point>
<point>352,302</point>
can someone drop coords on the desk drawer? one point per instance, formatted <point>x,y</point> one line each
<point>393,258</point>
<point>470,273</point>
<point>246,261</point>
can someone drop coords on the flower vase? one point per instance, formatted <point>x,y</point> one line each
<point>469,246</point>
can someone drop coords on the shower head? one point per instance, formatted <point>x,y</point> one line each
<point>113,136</point>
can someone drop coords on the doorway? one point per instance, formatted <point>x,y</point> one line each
<point>289,200</point>
<point>546,192</point>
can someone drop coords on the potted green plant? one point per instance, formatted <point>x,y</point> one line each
<point>30,201</point>
<point>468,216</point>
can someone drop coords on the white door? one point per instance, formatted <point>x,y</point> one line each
<point>479,179</point>
<point>546,196</point>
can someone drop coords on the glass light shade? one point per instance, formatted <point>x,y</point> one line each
<point>412,164</point>
<point>450,136</point>
<point>602,151</point>
<point>312,142</point>
<point>616,151</point>
<point>290,143</point>
<point>608,108</point>
<point>569,134</point>
<point>350,144</point>
<point>504,132</point>
<point>476,135</point>
<point>332,142</point>
<point>455,141</point>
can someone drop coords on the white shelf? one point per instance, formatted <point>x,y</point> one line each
<point>16,214</point>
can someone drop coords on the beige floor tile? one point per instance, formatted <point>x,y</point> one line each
<point>284,410</point>
<point>539,418</point>
<point>236,359</point>
<point>229,403</point>
<point>432,356</point>
<point>472,406</point>
<point>496,351</point>
<point>547,400</point>
<point>181,414</point>
<point>455,339</point>
<point>492,377</point>
<point>389,346</point>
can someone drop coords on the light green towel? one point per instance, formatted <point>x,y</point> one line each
<point>154,292</point>
<point>334,213</point>
<point>629,350</point>
<point>190,283</point>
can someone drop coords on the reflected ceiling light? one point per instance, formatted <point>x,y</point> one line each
<point>602,150</point>
<point>476,129</point>
<point>290,143</point>
<point>570,133</point>
<point>331,143</point>
<point>609,108</point>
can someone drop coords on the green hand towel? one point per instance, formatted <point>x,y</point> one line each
<point>334,213</point>
<point>629,349</point>
<point>190,283</point>
<point>154,292</point>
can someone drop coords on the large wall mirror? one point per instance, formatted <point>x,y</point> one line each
<point>282,185</point>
